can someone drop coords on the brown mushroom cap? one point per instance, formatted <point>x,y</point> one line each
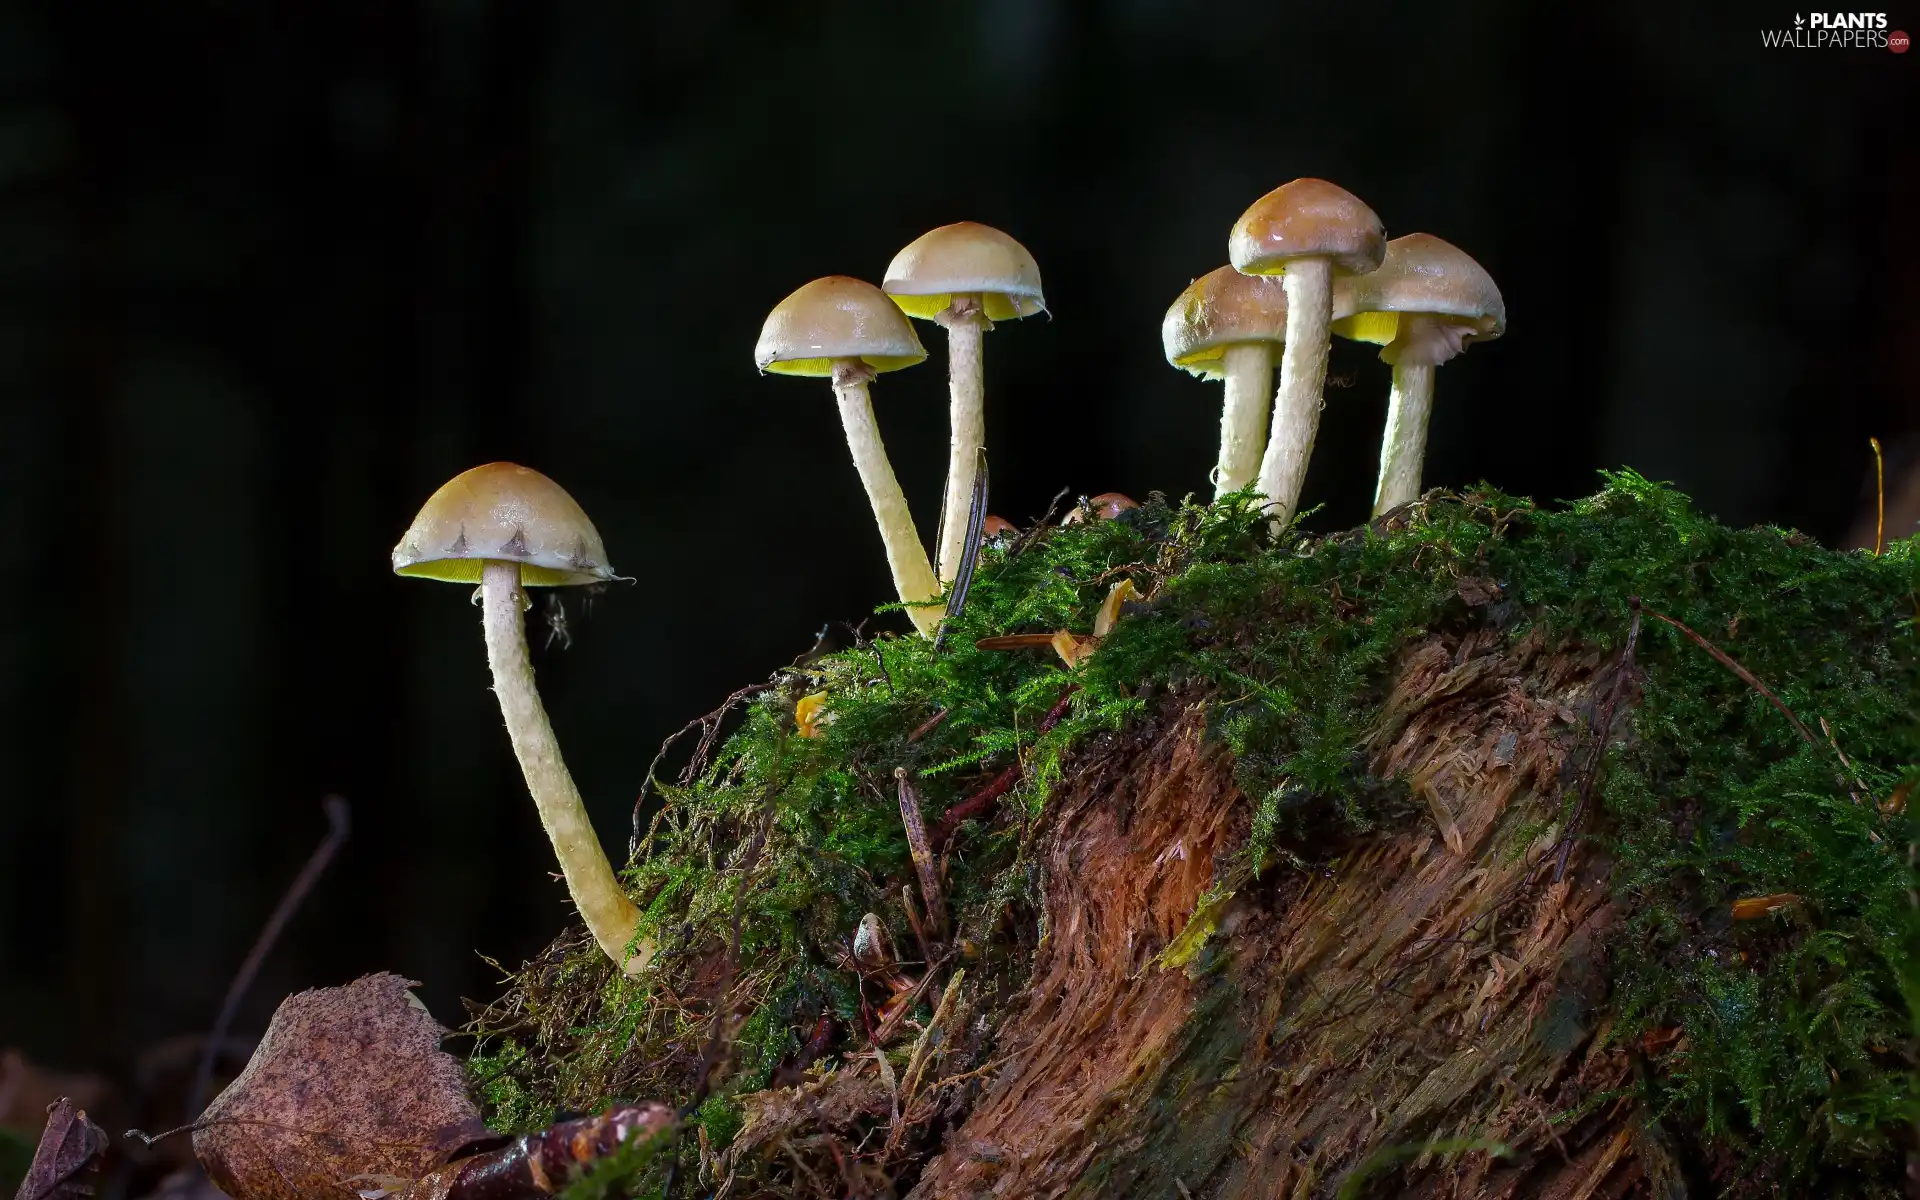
<point>502,512</point>
<point>1220,309</point>
<point>1422,275</point>
<point>1104,507</point>
<point>832,319</point>
<point>1307,218</point>
<point>965,257</point>
<point>995,526</point>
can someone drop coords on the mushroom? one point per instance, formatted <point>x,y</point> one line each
<point>966,276</point>
<point>507,528</point>
<point>848,331</point>
<point>1305,232</point>
<point>1227,325</point>
<point>1428,301</point>
<point>1104,507</point>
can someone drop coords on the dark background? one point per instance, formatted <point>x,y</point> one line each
<point>270,273</point>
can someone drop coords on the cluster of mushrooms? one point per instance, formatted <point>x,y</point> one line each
<point>1308,260</point>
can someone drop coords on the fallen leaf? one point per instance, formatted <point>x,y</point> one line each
<point>68,1158</point>
<point>1748,908</point>
<point>807,716</point>
<point>1073,648</point>
<point>1109,612</point>
<point>1015,641</point>
<point>348,1081</point>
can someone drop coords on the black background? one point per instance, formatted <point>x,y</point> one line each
<point>270,273</point>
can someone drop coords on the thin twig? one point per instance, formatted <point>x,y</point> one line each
<point>982,801</point>
<point>923,863</point>
<point>1622,671</point>
<point>339,824</point>
<point>1880,495</point>
<point>1848,764</point>
<point>922,1055</point>
<point>1040,526</point>
<point>1720,656</point>
<point>929,725</point>
<point>709,727</point>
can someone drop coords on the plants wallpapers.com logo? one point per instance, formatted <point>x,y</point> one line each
<point>1837,31</point>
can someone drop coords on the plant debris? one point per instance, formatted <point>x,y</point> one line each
<point>67,1161</point>
<point>348,1081</point>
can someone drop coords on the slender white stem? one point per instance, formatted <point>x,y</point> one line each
<point>967,389</point>
<point>610,915</point>
<point>1243,418</point>
<point>913,575</point>
<point>1404,445</point>
<point>1303,373</point>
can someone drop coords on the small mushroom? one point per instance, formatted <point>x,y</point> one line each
<point>506,528</point>
<point>966,276</point>
<point>1306,231</point>
<point>848,331</point>
<point>1428,301</point>
<point>997,529</point>
<point>1229,326</point>
<point>1104,507</point>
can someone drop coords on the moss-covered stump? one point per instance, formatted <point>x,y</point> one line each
<point>1486,850</point>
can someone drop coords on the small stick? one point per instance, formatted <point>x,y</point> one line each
<point>913,922</point>
<point>983,800</point>
<point>929,725</point>
<point>1880,492</point>
<point>1621,672</point>
<point>918,1060</point>
<point>1726,661</point>
<point>1848,764</point>
<point>338,826</point>
<point>923,862</point>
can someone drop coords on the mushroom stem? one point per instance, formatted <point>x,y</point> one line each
<point>1303,373</point>
<point>966,385</point>
<point>913,575</point>
<point>1405,442</point>
<point>1243,418</point>
<point>611,917</point>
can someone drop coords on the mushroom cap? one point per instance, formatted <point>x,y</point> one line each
<point>965,257</point>
<point>502,512</point>
<point>831,319</point>
<point>1308,218</point>
<point>1220,309</point>
<point>1422,276</point>
<point>996,526</point>
<point>1104,507</point>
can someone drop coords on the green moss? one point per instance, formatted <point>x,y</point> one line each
<point>1799,1042</point>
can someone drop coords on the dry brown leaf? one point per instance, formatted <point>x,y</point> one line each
<point>1750,907</point>
<point>67,1161</point>
<point>347,1081</point>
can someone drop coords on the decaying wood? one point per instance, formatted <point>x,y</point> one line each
<point>1433,989</point>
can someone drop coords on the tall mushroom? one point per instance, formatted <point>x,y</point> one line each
<point>507,528</point>
<point>1428,301</point>
<point>1228,326</point>
<point>966,276</point>
<point>848,331</point>
<point>1306,232</point>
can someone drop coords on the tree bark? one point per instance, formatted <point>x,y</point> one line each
<point>1436,984</point>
